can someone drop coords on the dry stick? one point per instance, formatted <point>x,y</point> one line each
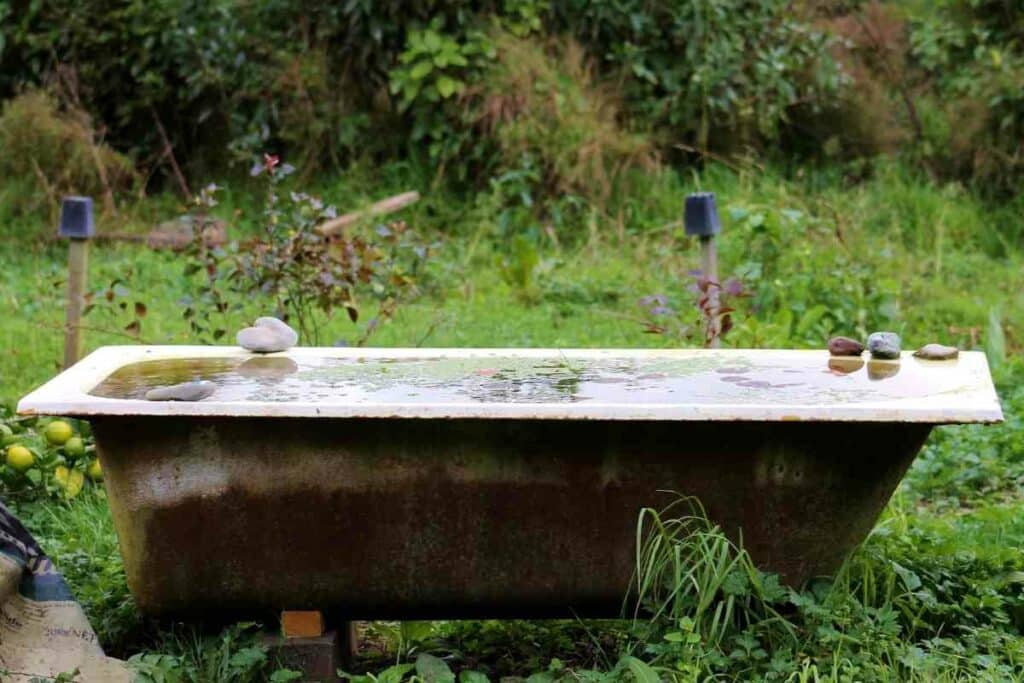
<point>47,187</point>
<point>718,157</point>
<point>108,194</point>
<point>169,153</point>
<point>908,101</point>
<point>384,206</point>
<point>709,263</point>
<point>102,330</point>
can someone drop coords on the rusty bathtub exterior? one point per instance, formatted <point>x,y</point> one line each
<point>457,516</point>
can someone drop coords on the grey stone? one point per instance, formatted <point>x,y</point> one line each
<point>937,352</point>
<point>186,391</point>
<point>884,345</point>
<point>844,346</point>
<point>268,335</point>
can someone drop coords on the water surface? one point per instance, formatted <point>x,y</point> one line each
<point>712,379</point>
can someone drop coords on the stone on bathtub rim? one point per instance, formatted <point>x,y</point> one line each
<point>844,346</point>
<point>884,345</point>
<point>267,335</point>
<point>186,391</point>
<point>937,352</point>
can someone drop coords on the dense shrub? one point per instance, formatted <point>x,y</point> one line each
<point>326,83</point>
<point>54,151</point>
<point>313,77</point>
<point>713,73</point>
<point>545,110</point>
<point>972,51</point>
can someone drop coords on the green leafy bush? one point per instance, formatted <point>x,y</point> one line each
<point>973,51</point>
<point>717,74</point>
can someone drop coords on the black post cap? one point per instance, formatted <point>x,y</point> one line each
<point>700,215</point>
<point>76,218</point>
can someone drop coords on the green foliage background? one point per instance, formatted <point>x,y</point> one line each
<point>326,83</point>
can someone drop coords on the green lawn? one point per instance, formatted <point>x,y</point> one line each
<point>937,593</point>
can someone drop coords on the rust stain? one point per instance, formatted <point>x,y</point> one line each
<point>468,518</point>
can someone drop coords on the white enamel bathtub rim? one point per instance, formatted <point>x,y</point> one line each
<point>67,394</point>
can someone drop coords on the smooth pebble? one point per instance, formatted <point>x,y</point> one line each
<point>884,345</point>
<point>844,346</point>
<point>267,335</point>
<point>937,352</point>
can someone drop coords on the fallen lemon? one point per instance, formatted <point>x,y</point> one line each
<point>74,447</point>
<point>58,432</point>
<point>95,471</point>
<point>71,481</point>
<point>20,458</point>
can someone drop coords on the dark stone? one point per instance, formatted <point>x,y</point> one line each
<point>937,352</point>
<point>884,345</point>
<point>844,346</point>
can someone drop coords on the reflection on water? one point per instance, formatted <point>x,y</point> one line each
<point>882,370</point>
<point>708,379</point>
<point>844,366</point>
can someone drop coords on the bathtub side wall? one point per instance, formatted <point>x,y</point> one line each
<point>468,518</point>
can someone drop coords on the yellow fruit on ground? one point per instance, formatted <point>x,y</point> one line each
<point>58,432</point>
<point>95,471</point>
<point>76,480</point>
<point>75,447</point>
<point>71,481</point>
<point>20,458</point>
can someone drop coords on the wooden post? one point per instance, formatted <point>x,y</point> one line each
<point>76,223</point>
<point>709,264</point>
<point>700,218</point>
<point>78,265</point>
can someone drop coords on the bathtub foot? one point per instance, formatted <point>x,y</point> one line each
<point>307,644</point>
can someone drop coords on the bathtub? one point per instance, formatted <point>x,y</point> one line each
<point>462,483</point>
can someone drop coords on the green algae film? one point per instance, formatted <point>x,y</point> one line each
<point>714,379</point>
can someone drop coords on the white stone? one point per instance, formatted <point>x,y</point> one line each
<point>267,335</point>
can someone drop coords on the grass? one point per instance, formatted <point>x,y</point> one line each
<point>936,593</point>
